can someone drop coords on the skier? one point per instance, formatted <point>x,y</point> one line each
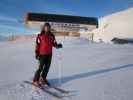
<point>43,52</point>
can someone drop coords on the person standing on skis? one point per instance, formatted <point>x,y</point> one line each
<point>45,41</point>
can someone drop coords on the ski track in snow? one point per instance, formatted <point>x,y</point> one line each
<point>94,71</point>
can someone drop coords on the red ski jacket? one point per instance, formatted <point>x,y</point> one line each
<point>45,42</point>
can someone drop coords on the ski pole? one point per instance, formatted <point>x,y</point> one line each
<point>60,64</point>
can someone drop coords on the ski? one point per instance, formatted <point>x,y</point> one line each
<point>54,94</point>
<point>59,89</point>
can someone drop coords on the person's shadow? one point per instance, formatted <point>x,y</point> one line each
<point>66,79</point>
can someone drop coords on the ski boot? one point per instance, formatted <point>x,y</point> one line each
<point>35,85</point>
<point>44,81</point>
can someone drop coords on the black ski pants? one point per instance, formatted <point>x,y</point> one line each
<point>44,65</point>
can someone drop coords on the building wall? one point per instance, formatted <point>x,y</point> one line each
<point>118,25</point>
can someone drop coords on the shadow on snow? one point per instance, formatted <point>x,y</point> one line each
<point>87,74</point>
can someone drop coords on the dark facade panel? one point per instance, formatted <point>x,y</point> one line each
<point>61,18</point>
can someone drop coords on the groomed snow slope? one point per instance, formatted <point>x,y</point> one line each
<point>115,25</point>
<point>93,71</point>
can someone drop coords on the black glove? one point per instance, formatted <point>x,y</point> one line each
<point>59,46</point>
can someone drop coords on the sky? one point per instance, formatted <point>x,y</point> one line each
<point>12,12</point>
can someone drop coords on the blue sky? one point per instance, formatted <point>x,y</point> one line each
<point>12,12</point>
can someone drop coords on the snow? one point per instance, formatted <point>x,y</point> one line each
<point>118,25</point>
<point>93,71</point>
